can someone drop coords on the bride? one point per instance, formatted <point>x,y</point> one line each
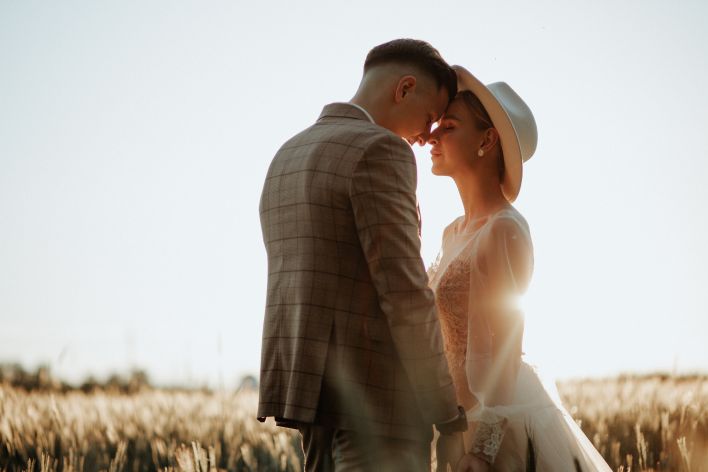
<point>484,265</point>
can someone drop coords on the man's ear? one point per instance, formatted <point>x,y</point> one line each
<point>406,85</point>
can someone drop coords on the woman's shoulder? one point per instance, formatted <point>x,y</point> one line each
<point>507,226</point>
<point>508,219</point>
<point>452,226</point>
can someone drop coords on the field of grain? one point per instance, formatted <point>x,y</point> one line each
<point>149,430</point>
<point>648,423</point>
<point>639,424</point>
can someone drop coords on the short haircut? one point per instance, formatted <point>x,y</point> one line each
<point>418,54</point>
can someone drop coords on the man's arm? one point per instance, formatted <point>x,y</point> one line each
<point>383,200</point>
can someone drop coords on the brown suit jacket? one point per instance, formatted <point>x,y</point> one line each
<point>351,336</point>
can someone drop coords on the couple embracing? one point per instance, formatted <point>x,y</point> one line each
<point>365,353</point>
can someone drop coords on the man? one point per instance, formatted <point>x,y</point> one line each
<point>352,352</point>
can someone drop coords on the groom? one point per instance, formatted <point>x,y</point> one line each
<point>352,353</point>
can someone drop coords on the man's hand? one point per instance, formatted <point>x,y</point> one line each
<point>472,463</point>
<point>449,449</point>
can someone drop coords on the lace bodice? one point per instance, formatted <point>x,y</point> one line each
<point>451,298</point>
<point>477,279</point>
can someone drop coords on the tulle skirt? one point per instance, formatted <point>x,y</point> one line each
<point>539,430</point>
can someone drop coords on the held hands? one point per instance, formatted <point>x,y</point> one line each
<point>450,451</point>
<point>472,463</point>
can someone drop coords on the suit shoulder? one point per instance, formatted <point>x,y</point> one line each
<point>380,143</point>
<point>358,133</point>
<point>355,135</point>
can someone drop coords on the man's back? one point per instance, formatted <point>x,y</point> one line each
<point>351,337</point>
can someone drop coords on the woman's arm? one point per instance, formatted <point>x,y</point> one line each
<point>496,327</point>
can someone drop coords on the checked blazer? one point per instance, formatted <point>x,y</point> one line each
<point>351,336</point>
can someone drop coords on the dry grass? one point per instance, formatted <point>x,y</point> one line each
<point>646,424</point>
<point>150,430</point>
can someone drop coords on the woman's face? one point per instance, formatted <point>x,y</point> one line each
<point>455,141</point>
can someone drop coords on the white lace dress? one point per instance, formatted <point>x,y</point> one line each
<point>479,274</point>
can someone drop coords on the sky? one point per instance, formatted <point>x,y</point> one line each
<point>135,137</point>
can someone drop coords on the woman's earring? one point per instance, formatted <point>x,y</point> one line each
<point>480,153</point>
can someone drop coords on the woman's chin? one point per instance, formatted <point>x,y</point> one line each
<point>436,170</point>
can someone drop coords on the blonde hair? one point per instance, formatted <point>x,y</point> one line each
<point>482,121</point>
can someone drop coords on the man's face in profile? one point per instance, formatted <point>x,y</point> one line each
<point>422,107</point>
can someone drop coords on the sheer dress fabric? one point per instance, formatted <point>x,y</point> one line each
<point>478,277</point>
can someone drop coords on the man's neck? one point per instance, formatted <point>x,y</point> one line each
<point>369,105</point>
<point>366,112</point>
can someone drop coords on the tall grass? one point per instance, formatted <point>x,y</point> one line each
<point>147,431</point>
<point>638,424</point>
<point>644,423</point>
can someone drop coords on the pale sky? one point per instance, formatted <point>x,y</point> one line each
<point>135,137</point>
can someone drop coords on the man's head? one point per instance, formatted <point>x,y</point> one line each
<point>406,87</point>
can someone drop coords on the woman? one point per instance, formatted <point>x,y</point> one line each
<point>484,266</point>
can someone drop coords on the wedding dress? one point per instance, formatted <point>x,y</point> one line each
<point>518,422</point>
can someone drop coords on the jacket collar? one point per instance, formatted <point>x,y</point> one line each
<point>344,110</point>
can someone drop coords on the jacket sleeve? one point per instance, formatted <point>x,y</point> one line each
<point>382,193</point>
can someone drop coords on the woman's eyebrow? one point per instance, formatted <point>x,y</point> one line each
<point>450,117</point>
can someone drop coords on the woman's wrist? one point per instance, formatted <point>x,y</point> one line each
<point>487,439</point>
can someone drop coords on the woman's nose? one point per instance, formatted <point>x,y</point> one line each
<point>433,139</point>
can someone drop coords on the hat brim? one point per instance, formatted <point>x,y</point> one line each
<point>511,149</point>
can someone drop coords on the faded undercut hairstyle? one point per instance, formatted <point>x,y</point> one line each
<point>418,54</point>
<point>482,121</point>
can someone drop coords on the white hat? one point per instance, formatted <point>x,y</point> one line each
<point>514,121</point>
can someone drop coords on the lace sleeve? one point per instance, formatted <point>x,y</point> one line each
<point>488,433</point>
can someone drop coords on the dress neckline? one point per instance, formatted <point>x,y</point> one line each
<point>457,231</point>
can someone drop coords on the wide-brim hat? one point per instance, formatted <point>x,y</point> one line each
<point>514,121</point>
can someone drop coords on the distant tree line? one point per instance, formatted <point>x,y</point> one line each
<point>42,379</point>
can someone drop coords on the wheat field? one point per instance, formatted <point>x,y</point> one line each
<point>639,424</point>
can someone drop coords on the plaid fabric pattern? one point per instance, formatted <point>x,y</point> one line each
<point>351,336</point>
